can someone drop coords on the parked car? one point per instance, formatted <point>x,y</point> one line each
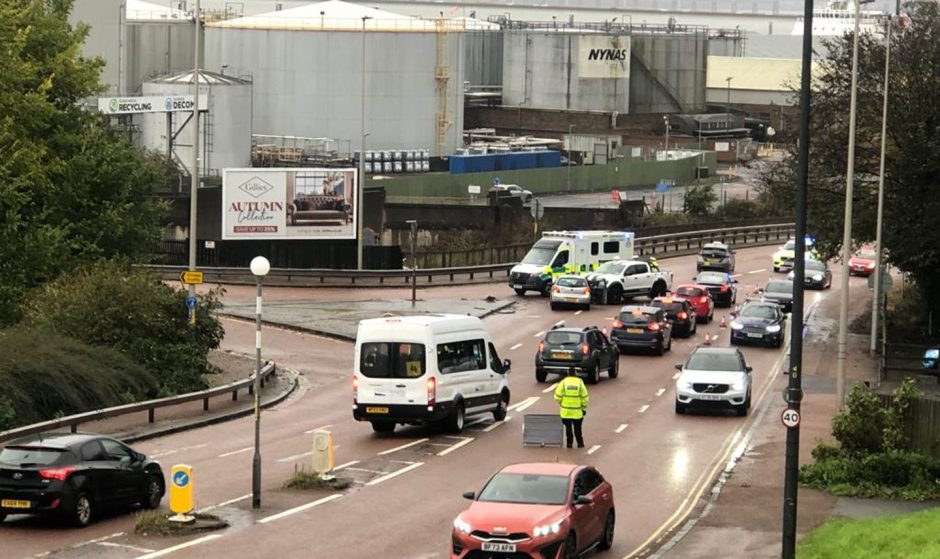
<point>759,322</point>
<point>715,256</point>
<point>700,299</point>
<point>642,327</point>
<point>714,377</point>
<point>74,476</point>
<point>513,190</point>
<point>862,264</point>
<point>680,313</point>
<point>571,290</point>
<point>780,292</point>
<point>587,350</point>
<point>816,275</point>
<point>721,286</point>
<point>536,511</point>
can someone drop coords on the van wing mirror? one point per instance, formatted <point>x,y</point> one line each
<point>678,366</point>
<point>507,365</point>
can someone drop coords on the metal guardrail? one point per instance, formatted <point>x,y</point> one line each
<point>671,244</point>
<point>150,406</point>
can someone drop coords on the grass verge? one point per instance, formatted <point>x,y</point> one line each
<point>157,523</point>
<point>911,536</point>
<point>306,481</point>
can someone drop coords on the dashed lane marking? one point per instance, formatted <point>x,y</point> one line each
<point>550,388</point>
<point>396,473</point>
<point>318,429</point>
<point>528,404</point>
<point>594,449</point>
<point>169,452</point>
<point>234,452</point>
<point>539,334</point>
<point>523,402</point>
<point>621,429</point>
<point>578,312</point>
<point>675,376</point>
<point>301,508</point>
<point>497,424</point>
<point>178,547</point>
<point>126,546</point>
<point>535,316</point>
<point>660,392</point>
<point>226,503</point>
<point>758,271</point>
<point>454,447</point>
<point>644,408</point>
<point>515,347</point>
<point>560,323</point>
<point>737,275</point>
<point>296,456</point>
<point>402,447</point>
<point>346,465</point>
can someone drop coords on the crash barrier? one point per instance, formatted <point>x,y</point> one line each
<point>149,406</point>
<point>671,244</point>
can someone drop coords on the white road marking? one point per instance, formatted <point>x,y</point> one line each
<point>126,546</point>
<point>515,347</point>
<point>96,540</point>
<point>296,456</point>
<point>675,376</point>
<point>402,447</point>
<point>226,503</point>
<point>346,465</point>
<point>318,429</point>
<point>620,429</point>
<point>169,452</point>
<point>452,448</point>
<point>539,335</point>
<point>560,323</point>
<point>523,402</point>
<point>396,473</point>
<point>495,425</point>
<point>550,388</point>
<point>576,313</point>
<point>594,449</point>
<point>660,392</point>
<point>176,548</point>
<point>535,316</point>
<point>737,275</point>
<point>476,422</point>
<point>528,404</point>
<point>367,470</point>
<point>239,451</point>
<point>644,408</point>
<point>301,508</point>
<point>758,271</point>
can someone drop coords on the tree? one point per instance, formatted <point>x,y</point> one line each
<point>912,175</point>
<point>71,190</point>
<point>698,200</point>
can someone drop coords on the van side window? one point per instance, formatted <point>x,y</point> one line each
<point>611,247</point>
<point>457,357</point>
<point>392,360</point>
<point>561,260</point>
<point>594,248</point>
<point>495,362</point>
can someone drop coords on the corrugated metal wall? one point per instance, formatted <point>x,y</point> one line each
<point>483,59</point>
<point>158,49</point>
<point>667,73</point>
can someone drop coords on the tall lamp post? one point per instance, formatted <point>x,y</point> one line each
<point>728,118</point>
<point>194,174</point>
<point>360,184</point>
<point>570,130</point>
<point>259,268</point>
<point>666,126</point>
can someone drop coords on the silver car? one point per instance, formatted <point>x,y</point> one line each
<point>571,291</point>
<point>714,377</point>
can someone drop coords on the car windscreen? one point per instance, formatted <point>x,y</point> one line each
<point>671,308</point>
<point>526,489</point>
<point>541,253</point>
<point>689,291</point>
<point>33,456</point>
<point>392,360</point>
<point>780,287</point>
<point>758,311</point>
<point>614,268</point>
<point>713,361</point>
<point>712,278</point>
<point>572,282</point>
<point>790,245</point>
<point>815,265</point>
<point>631,318</point>
<point>714,253</point>
<point>563,338</point>
<point>866,255</point>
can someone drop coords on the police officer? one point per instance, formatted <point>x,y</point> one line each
<point>572,397</point>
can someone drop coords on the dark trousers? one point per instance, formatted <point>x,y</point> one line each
<point>576,424</point>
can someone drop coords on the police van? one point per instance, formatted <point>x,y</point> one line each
<point>431,368</point>
<point>567,252</point>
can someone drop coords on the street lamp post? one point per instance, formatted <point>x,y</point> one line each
<point>847,225</point>
<point>666,126</point>
<point>259,268</point>
<point>360,184</point>
<point>570,130</point>
<point>413,225</point>
<point>194,173</point>
<point>728,118</point>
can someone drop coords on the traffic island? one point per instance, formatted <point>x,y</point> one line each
<point>158,523</point>
<point>307,481</point>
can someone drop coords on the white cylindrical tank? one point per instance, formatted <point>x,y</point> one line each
<point>224,127</point>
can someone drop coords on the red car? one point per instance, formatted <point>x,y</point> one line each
<point>538,511</point>
<point>701,301</point>
<point>862,264</point>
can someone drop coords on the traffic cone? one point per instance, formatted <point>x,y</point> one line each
<point>708,340</point>
<point>723,323</point>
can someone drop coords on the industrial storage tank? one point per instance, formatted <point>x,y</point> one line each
<point>307,69</point>
<point>224,128</point>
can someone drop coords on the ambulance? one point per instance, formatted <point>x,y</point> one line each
<point>567,252</point>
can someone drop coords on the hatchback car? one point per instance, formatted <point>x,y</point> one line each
<point>780,292</point>
<point>73,476</point>
<point>721,286</point>
<point>586,350</point>
<point>816,275</point>
<point>571,290</point>
<point>714,377</point>
<point>862,264</point>
<point>537,511</point>
<point>715,256</point>
<point>642,327</point>
<point>700,299</point>
<point>759,322</point>
<point>680,313</point>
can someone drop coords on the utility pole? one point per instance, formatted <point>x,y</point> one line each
<point>570,129</point>
<point>360,183</point>
<point>728,118</point>
<point>194,172</point>
<point>413,225</point>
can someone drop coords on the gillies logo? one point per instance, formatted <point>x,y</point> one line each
<point>608,54</point>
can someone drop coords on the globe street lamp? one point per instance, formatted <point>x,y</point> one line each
<point>259,268</point>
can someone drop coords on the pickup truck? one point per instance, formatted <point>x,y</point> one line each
<point>618,281</point>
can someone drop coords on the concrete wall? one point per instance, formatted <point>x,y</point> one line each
<point>307,83</point>
<point>667,73</point>
<point>158,49</point>
<point>104,38</point>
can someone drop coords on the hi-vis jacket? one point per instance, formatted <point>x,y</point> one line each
<point>572,396</point>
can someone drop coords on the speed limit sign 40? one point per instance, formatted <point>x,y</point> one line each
<point>790,418</point>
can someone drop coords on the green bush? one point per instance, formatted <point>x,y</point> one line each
<point>859,426</point>
<point>698,200</point>
<point>738,208</point>
<point>46,375</point>
<point>114,306</point>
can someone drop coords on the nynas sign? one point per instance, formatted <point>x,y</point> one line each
<point>604,56</point>
<point>608,54</point>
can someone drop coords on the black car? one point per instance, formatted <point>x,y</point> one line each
<point>780,292</point>
<point>759,322</point>
<point>642,327</point>
<point>816,275</point>
<point>74,475</point>
<point>587,350</point>
<point>721,286</point>
<point>680,313</point>
<point>715,256</point>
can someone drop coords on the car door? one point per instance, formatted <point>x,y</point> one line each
<point>635,277</point>
<point>129,478</point>
<point>596,339</point>
<point>584,517</point>
<point>597,490</point>
<point>100,473</point>
<point>496,373</point>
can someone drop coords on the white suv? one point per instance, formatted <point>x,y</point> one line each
<point>714,377</point>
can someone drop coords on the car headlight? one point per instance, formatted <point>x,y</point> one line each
<point>461,526</point>
<point>735,325</point>
<point>790,276</point>
<point>683,385</point>
<point>818,277</point>
<point>773,328</point>
<point>738,385</point>
<point>547,529</point>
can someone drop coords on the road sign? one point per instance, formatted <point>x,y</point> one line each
<point>191,278</point>
<point>790,418</point>
<point>190,302</point>
<point>181,489</point>
<point>473,189</point>
<point>662,186</point>
<point>537,209</point>
<point>887,282</point>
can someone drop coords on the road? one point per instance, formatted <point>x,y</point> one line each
<point>408,485</point>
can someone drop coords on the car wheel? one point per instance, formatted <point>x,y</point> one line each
<point>776,268</point>
<point>614,370</point>
<point>661,348</point>
<point>154,492</point>
<point>680,408</point>
<point>658,290</point>
<point>383,427</point>
<point>607,538</point>
<point>520,292</point>
<point>779,343</point>
<point>614,295</point>
<point>456,420</point>
<point>571,547</point>
<point>502,407</point>
<point>748,401</point>
<point>547,289</point>
<point>83,511</point>
<point>593,374</point>
<point>541,375</point>
<point>587,307</point>
<point>553,306</point>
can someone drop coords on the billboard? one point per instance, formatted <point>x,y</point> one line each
<point>296,203</point>
<point>149,104</point>
<point>604,56</point>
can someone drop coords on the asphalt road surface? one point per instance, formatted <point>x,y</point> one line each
<point>408,486</point>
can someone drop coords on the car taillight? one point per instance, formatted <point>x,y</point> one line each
<point>587,290</point>
<point>653,326</point>
<point>724,288</point>
<point>682,315</point>
<point>541,347</point>
<point>556,289</point>
<point>355,391</point>
<point>704,299</point>
<point>56,473</point>
<point>432,392</point>
<point>584,349</point>
<point>617,324</point>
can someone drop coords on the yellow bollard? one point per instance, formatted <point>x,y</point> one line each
<point>182,497</point>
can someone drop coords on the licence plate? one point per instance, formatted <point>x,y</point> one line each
<point>634,330</point>
<point>753,335</point>
<point>376,410</point>
<point>503,547</point>
<point>517,286</point>
<point>561,355</point>
<point>712,397</point>
<point>14,504</point>
<point>571,299</point>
